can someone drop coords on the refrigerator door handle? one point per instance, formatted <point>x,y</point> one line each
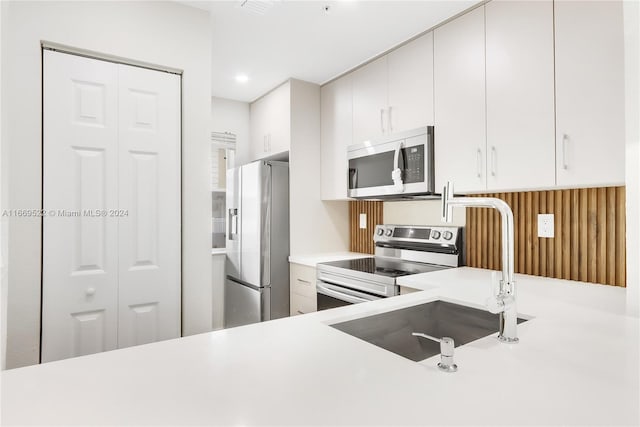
<point>233,224</point>
<point>266,226</point>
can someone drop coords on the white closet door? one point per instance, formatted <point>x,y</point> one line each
<point>80,277</point>
<point>149,190</point>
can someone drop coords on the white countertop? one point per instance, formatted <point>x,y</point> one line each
<point>311,260</point>
<point>576,364</point>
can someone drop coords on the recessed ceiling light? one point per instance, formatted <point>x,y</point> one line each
<point>242,78</point>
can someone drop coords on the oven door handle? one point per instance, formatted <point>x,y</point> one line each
<point>339,295</point>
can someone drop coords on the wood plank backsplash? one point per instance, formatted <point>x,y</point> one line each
<point>589,242</point>
<point>361,239</point>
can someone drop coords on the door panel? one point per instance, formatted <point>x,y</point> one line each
<point>520,104</point>
<point>411,85</point>
<point>149,195</point>
<point>459,81</point>
<point>79,266</point>
<point>370,101</point>
<point>590,98</point>
<point>234,208</point>
<point>251,219</point>
<point>89,332</point>
<point>336,121</point>
<point>244,305</point>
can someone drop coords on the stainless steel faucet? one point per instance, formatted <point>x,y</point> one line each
<point>504,302</point>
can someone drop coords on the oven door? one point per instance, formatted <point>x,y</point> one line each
<point>332,296</point>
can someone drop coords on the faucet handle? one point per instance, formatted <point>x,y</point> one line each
<point>499,303</point>
<point>447,346</point>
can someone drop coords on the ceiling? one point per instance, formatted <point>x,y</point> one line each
<point>300,39</point>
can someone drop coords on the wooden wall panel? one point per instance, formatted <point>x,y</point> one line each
<point>361,239</point>
<point>589,242</point>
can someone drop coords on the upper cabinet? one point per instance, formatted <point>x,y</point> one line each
<point>523,95</point>
<point>589,55</point>
<point>395,92</point>
<point>370,115</point>
<point>459,82</point>
<point>391,94</point>
<point>271,123</point>
<point>336,112</point>
<point>411,85</point>
<point>519,84</point>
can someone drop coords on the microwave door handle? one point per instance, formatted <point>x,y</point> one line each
<point>396,175</point>
<point>339,295</point>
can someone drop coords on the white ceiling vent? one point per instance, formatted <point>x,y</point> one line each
<point>258,7</point>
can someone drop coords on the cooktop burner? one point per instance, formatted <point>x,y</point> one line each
<point>385,267</point>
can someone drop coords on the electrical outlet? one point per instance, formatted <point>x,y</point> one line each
<point>545,225</point>
<point>363,220</point>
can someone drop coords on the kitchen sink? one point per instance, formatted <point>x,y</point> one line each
<point>392,330</point>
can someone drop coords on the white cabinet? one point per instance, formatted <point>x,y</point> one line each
<point>395,92</point>
<point>303,289</point>
<point>410,70</point>
<point>370,98</point>
<point>336,112</point>
<point>520,106</point>
<point>590,106</point>
<point>459,90</point>
<point>271,123</point>
<point>391,94</point>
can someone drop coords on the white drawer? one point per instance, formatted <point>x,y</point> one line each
<point>303,280</point>
<point>301,304</point>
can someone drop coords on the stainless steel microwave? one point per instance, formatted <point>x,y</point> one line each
<point>394,166</point>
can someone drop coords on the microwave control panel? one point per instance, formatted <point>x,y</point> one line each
<point>414,164</point>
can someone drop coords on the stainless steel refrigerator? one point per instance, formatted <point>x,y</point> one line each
<point>257,283</point>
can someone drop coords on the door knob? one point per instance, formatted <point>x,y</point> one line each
<point>90,292</point>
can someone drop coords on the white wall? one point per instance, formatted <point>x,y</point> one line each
<point>632,121</point>
<point>316,226</point>
<point>163,33</point>
<point>425,212</point>
<point>232,116</point>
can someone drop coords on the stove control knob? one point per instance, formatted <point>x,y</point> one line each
<point>435,234</point>
<point>380,231</point>
<point>389,232</point>
<point>447,235</point>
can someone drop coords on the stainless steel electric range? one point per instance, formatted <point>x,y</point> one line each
<point>400,250</point>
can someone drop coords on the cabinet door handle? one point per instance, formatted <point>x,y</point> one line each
<point>306,282</point>
<point>390,120</point>
<point>269,143</point>
<point>479,163</point>
<point>382,120</point>
<point>264,143</point>
<point>299,312</point>
<point>494,160</point>
<point>565,142</point>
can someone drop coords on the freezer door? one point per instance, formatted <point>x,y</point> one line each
<point>255,223</point>
<point>245,304</point>
<point>234,227</point>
